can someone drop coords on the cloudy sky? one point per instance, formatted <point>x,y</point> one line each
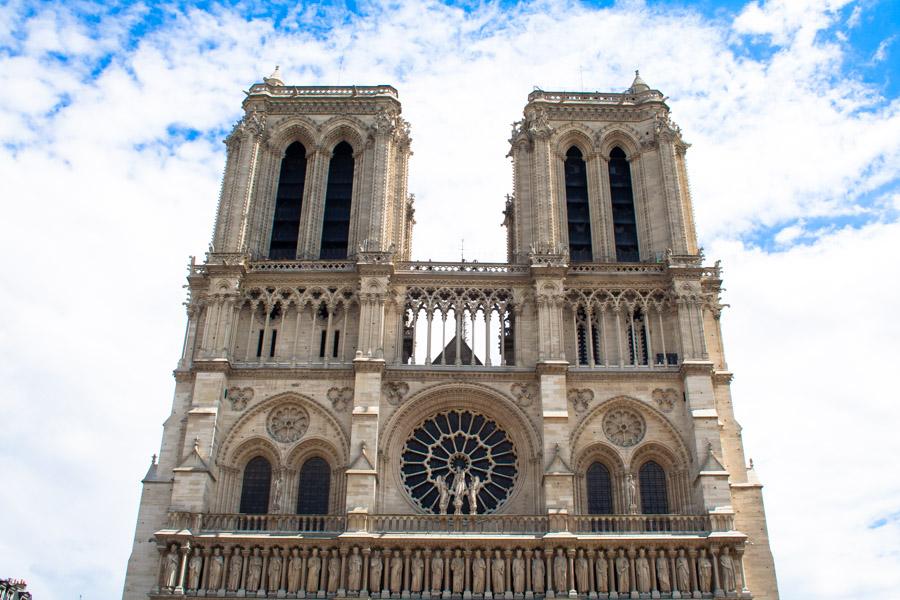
<point>111,121</point>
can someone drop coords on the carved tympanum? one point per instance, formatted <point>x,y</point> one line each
<point>623,427</point>
<point>288,423</point>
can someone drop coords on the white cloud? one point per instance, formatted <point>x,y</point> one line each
<point>108,206</point>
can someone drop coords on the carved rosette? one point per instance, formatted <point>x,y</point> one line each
<point>524,393</point>
<point>624,427</point>
<point>341,398</point>
<point>580,399</point>
<point>239,397</point>
<point>287,423</point>
<point>396,391</point>
<point>665,399</point>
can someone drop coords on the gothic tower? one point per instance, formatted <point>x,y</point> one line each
<point>349,423</point>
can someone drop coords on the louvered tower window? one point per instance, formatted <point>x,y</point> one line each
<point>315,485</point>
<point>338,192</point>
<point>577,210</point>
<point>624,222</point>
<point>256,486</point>
<point>654,499</point>
<point>599,490</point>
<point>288,203</point>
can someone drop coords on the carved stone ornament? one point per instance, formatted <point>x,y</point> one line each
<point>580,399</point>
<point>288,423</point>
<point>665,399</point>
<point>624,427</point>
<point>524,393</point>
<point>340,398</point>
<point>240,397</point>
<point>396,391</point>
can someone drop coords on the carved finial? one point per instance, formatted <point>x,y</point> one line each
<point>751,463</point>
<point>197,445</point>
<point>638,84</point>
<point>153,460</point>
<point>275,77</point>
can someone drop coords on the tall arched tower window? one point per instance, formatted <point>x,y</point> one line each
<point>336,222</point>
<point>654,497</point>
<point>288,203</point>
<point>256,485</point>
<point>624,222</point>
<point>315,485</point>
<point>599,490</point>
<point>577,211</point>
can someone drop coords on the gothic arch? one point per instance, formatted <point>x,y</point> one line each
<point>316,448</point>
<point>607,455</point>
<point>251,448</point>
<point>574,134</point>
<point>623,136</point>
<point>657,452</point>
<point>343,129</point>
<point>294,129</point>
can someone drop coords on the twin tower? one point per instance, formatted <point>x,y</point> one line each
<point>350,423</point>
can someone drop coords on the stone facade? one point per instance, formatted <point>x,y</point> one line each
<point>542,427</point>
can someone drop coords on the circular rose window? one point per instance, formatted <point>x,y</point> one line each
<point>457,459</point>
<point>623,427</point>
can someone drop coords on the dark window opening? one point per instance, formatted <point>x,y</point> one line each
<point>599,490</point>
<point>259,344</point>
<point>315,486</point>
<point>288,203</point>
<point>322,344</point>
<point>637,340</point>
<point>654,497</point>
<point>272,345</point>
<point>577,210</point>
<point>256,485</point>
<point>338,193</point>
<point>624,221</point>
<point>335,344</point>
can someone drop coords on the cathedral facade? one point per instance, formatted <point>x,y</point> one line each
<point>351,423</point>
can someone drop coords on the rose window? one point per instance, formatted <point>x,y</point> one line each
<point>462,454</point>
<point>287,423</point>
<point>623,427</point>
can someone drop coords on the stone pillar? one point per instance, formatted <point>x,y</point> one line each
<point>362,473</point>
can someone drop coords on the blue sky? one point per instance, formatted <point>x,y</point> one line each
<point>111,121</point>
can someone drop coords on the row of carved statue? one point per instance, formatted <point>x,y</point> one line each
<point>427,573</point>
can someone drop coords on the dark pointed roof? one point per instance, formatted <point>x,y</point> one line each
<point>465,353</point>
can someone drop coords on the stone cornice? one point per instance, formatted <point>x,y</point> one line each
<point>723,377</point>
<point>696,367</point>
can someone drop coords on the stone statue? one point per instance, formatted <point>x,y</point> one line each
<point>195,565</point>
<point>642,568</point>
<point>276,496</point>
<point>234,570</point>
<point>622,575</point>
<point>582,569</point>
<point>682,572</point>
<point>631,490</point>
<point>274,576</point>
<point>726,570</point>
<point>375,567</point>
<point>396,572</point>
<point>559,572</point>
<point>518,572</point>
<point>354,570</point>
<point>459,492</point>
<point>313,568</point>
<point>334,571</point>
<point>443,494</point>
<point>602,573</point>
<point>498,573</point>
<point>538,577</point>
<point>216,567</point>
<point>662,573</point>
<point>474,488</point>
<point>478,569</point>
<point>170,575</point>
<point>704,567</point>
<point>437,572</point>
<point>295,569</point>
<point>417,566</point>
<point>254,571</point>
<point>458,571</point>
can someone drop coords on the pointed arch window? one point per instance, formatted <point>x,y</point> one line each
<point>624,221</point>
<point>654,496</point>
<point>599,490</point>
<point>338,192</point>
<point>577,210</point>
<point>256,485</point>
<point>288,203</point>
<point>315,486</point>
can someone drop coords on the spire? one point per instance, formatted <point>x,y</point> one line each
<point>275,77</point>
<point>638,84</point>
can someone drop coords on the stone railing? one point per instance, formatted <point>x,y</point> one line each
<point>594,97</point>
<point>342,91</point>
<point>455,524</point>
<point>460,267</point>
<point>277,266</point>
<point>606,268</point>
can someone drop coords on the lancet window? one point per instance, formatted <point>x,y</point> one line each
<point>654,493</point>
<point>624,221</point>
<point>338,194</point>
<point>577,209</point>
<point>255,487</point>
<point>599,490</point>
<point>288,203</point>
<point>314,487</point>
